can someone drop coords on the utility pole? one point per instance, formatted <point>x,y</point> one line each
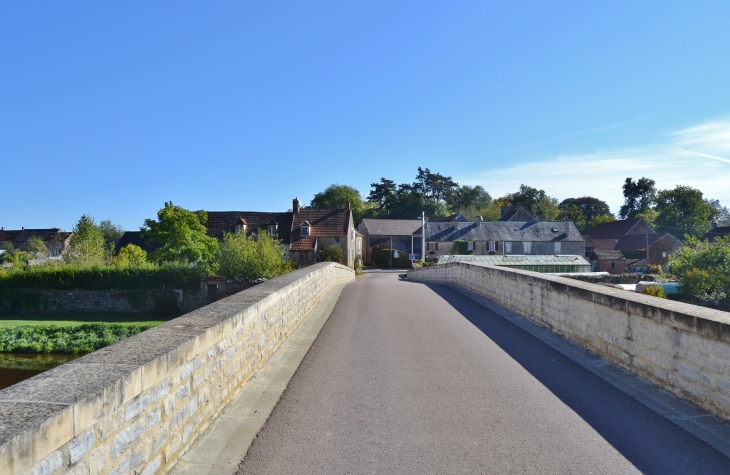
<point>391,252</point>
<point>423,236</point>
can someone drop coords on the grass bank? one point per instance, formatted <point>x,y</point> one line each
<point>66,339</point>
<point>74,320</point>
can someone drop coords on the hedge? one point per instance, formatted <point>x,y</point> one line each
<point>71,277</point>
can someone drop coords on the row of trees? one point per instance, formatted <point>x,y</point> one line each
<point>682,210</point>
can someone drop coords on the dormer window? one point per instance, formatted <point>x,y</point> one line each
<point>240,226</point>
<point>273,228</point>
<point>304,229</point>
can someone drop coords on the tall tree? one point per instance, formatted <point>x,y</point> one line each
<point>382,193</point>
<point>36,246</point>
<point>537,202</point>
<point>639,196</point>
<point>86,245</point>
<point>682,211</point>
<point>589,206</point>
<point>470,201</point>
<point>336,196</point>
<point>182,235</point>
<point>720,213</point>
<point>112,232</point>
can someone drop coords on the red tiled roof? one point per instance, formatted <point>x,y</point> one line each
<point>303,244</point>
<point>615,229</point>
<point>610,255</point>
<point>637,241</point>
<point>605,244</point>
<point>220,222</point>
<point>323,223</point>
<point>721,231</point>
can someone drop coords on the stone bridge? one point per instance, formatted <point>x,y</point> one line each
<point>459,368</point>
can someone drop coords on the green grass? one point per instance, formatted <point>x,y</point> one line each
<point>76,320</point>
<point>66,339</point>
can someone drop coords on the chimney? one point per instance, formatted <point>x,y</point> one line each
<point>478,219</point>
<point>567,227</point>
<point>713,225</point>
<point>539,218</point>
<point>518,205</point>
<point>23,228</point>
<point>295,205</point>
<point>504,210</point>
<point>2,228</point>
<point>348,205</point>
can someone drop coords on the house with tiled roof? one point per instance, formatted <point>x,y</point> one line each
<point>505,238</point>
<point>636,240</point>
<point>314,229</point>
<point>403,235</point>
<point>518,214</point>
<point>716,232</point>
<point>55,239</point>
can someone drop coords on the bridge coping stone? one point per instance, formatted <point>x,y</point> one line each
<point>121,393</point>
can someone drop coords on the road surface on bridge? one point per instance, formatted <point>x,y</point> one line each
<point>417,378</point>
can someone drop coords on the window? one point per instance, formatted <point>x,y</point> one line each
<point>240,228</point>
<point>613,264</point>
<point>664,254</point>
<point>432,246</point>
<point>470,245</point>
<point>557,247</point>
<point>303,255</point>
<point>527,246</point>
<point>508,247</point>
<point>272,230</point>
<point>359,244</point>
<point>492,246</point>
<point>305,231</point>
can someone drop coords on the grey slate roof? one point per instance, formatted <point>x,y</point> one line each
<point>390,227</point>
<point>520,260</point>
<point>502,231</point>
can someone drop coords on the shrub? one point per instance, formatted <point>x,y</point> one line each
<point>100,277</point>
<point>358,264</point>
<point>332,253</point>
<point>703,268</point>
<point>654,291</point>
<point>251,257</point>
<point>66,340</point>
<point>130,255</point>
<point>459,247</point>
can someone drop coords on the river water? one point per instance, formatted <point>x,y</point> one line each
<point>17,367</point>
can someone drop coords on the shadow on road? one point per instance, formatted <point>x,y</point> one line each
<point>649,441</point>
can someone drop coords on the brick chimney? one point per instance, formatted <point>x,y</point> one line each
<point>348,205</point>
<point>295,205</point>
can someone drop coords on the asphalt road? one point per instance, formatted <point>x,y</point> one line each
<point>417,378</point>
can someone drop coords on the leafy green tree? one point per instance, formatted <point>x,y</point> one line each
<point>251,257</point>
<point>590,207</point>
<point>13,256</point>
<point>574,214</point>
<point>336,196</point>
<point>112,232</point>
<point>469,201</point>
<point>639,196</point>
<point>382,194</point>
<point>332,253</point>
<point>182,236</point>
<point>130,255</point>
<point>537,202</point>
<point>682,211</point>
<point>720,213</point>
<point>703,268</point>
<point>35,246</point>
<point>435,186</point>
<point>649,215</point>
<point>86,246</point>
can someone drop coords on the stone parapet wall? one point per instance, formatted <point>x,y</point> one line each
<point>682,348</point>
<point>138,405</point>
<point>33,301</point>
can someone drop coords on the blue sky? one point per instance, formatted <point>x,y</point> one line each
<point>113,108</point>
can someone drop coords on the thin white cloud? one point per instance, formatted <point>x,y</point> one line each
<point>693,157</point>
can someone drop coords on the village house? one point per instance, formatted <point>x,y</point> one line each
<point>302,231</point>
<point>504,238</point>
<point>56,241</point>
<point>716,232</point>
<point>403,235</point>
<point>631,237</point>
